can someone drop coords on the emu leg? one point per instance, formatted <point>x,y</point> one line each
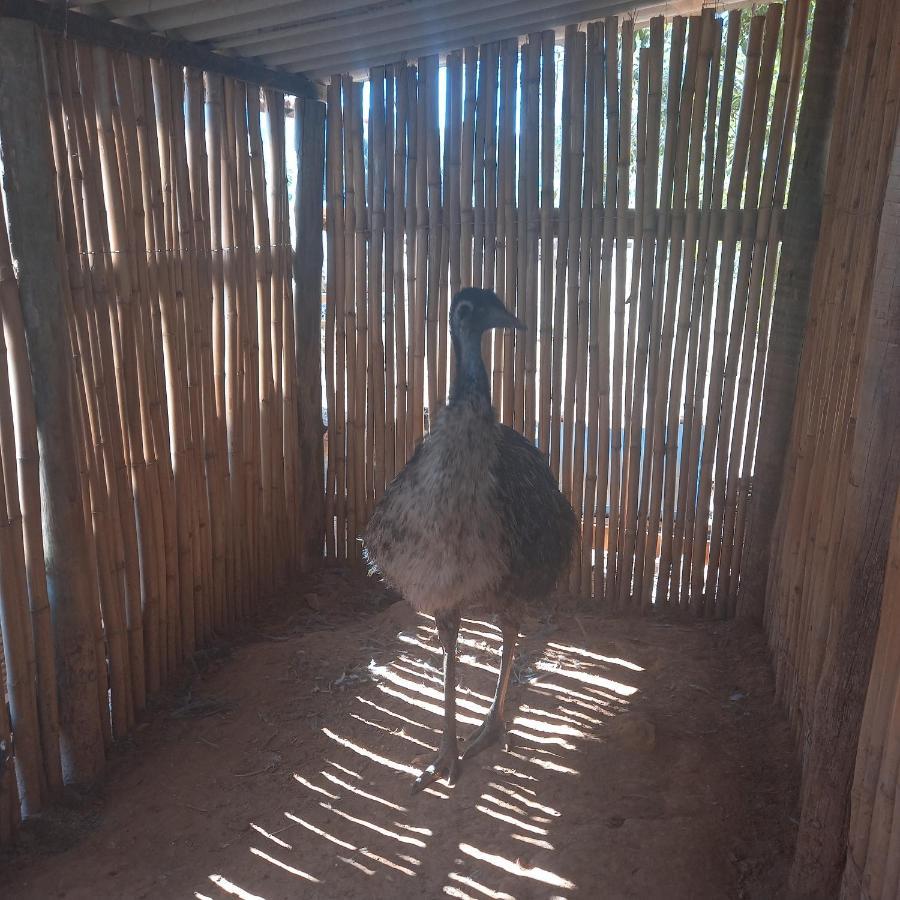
<point>446,763</point>
<point>493,729</point>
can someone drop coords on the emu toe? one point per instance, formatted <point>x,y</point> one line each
<point>445,765</point>
<point>491,731</point>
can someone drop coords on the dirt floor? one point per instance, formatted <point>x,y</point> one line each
<point>648,761</point>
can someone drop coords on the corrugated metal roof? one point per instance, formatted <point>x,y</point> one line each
<point>324,37</point>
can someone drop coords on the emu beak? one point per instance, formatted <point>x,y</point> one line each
<point>503,318</point>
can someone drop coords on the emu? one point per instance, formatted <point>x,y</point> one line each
<point>474,521</point>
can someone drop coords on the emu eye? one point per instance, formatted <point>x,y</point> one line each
<point>464,309</point>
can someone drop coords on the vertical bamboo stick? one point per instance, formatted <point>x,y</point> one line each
<point>421,256</point>
<point>354,489</point>
<point>338,419</point>
<point>573,326</point>
<point>593,519</point>
<point>364,459</point>
<point>562,249</point>
<point>429,68</point>
<point>263,312</point>
<point>547,162</point>
<point>645,312</point>
<point>634,287</point>
<point>580,349</point>
<point>390,390</point>
<point>376,358</point>
<point>493,344</point>
<point>618,167</point>
<point>506,264</point>
<point>528,203</point>
<point>402,258</point>
<point>413,431</point>
<point>467,167</point>
<point>452,194</point>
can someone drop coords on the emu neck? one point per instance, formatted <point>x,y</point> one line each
<point>471,382</point>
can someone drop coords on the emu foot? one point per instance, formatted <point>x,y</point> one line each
<point>445,765</point>
<point>491,731</point>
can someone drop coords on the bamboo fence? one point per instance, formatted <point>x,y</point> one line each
<point>176,264</point>
<point>628,212</point>
<point>831,541</point>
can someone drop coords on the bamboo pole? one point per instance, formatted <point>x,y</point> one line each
<point>493,344</point>
<point>337,417</point>
<point>363,458</point>
<point>263,272</point>
<point>467,167</point>
<point>453,200</point>
<point>618,167</point>
<point>354,489</point>
<point>334,199</point>
<point>575,150</point>
<point>401,252</point>
<point>481,90</point>
<point>377,338</point>
<point>285,460</point>
<point>390,389</point>
<point>506,228</point>
<point>429,69</point>
<point>528,204</point>
<point>562,250</point>
<point>633,302</point>
<point>233,361</point>
<point>582,347</point>
<point>547,162</point>
<point>310,144</point>
<point>602,281</point>
<point>598,327</point>
<point>413,411</point>
<point>421,254</point>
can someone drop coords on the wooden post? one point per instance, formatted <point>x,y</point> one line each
<point>32,230</point>
<point>799,238</point>
<point>310,142</point>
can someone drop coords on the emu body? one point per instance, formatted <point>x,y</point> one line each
<point>474,521</point>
